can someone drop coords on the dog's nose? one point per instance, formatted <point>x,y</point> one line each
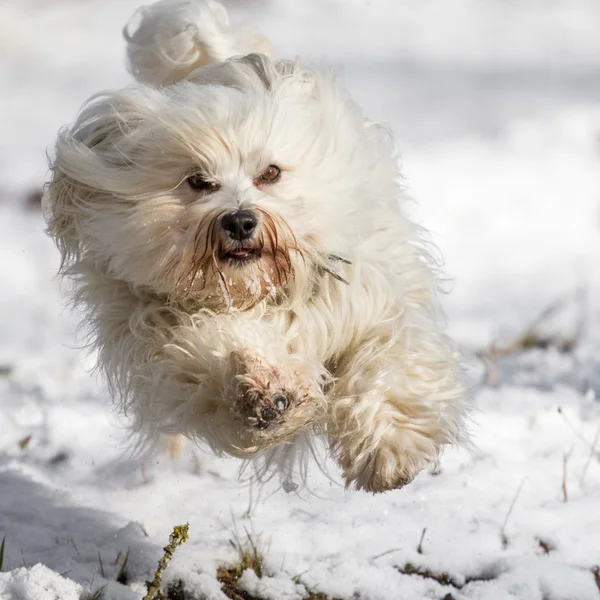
<point>240,224</point>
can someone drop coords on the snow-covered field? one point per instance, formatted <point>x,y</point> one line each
<point>496,107</point>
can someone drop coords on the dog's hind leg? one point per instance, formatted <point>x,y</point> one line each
<point>174,447</point>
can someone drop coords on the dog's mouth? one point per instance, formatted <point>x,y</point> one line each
<point>239,256</point>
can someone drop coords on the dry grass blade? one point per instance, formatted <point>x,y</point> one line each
<point>565,493</point>
<point>2,552</point>
<point>596,574</point>
<point>420,546</point>
<point>503,535</point>
<point>593,452</point>
<point>122,576</point>
<point>97,595</point>
<point>101,564</point>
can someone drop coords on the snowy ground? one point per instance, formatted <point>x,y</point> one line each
<point>496,108</point>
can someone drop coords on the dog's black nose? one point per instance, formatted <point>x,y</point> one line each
<point>240,224</point>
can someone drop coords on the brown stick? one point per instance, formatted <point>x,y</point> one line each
<point>178,537</point>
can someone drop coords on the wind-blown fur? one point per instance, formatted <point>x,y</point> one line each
<point>332,329</point>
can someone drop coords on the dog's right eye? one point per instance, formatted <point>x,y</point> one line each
<point>198,183</point>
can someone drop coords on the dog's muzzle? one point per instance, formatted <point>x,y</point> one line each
<point>239,245</point>
<point>240,224</point>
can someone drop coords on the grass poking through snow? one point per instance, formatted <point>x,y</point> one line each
<point>2,552</point>
<point>97,595</point>
<point>249,557</point>
<point>123,575</point>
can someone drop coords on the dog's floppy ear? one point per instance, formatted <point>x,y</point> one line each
<point>82,168</point>
<point>262,67</point>
<point>58,204</point>
<point>241,73</point>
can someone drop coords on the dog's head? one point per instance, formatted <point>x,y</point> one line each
<point>233,186</point>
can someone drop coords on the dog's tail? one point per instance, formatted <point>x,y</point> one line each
<point>168,40</point>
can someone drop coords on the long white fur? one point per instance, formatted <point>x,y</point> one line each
<point>171,38</point>
<point>384,382</point>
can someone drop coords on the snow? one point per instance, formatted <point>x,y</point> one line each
<point>495,105</point>
<point>38,582</point>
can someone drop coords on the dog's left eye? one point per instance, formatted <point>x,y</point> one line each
<point>198,183</point>
<point>270,175</point>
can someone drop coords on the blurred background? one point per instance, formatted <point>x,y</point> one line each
<point>495,106</point>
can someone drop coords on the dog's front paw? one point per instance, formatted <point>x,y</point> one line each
<point>272,402</point>
<point>266,406</point>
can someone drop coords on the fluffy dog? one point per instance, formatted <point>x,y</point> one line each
<point>234,229</point>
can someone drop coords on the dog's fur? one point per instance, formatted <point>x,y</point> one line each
<point>332,328</point>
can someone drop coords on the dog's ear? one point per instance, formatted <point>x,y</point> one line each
<point>241,73</point>
<point>58,203</point>
<point>83,165</point>
<point>262,67</point>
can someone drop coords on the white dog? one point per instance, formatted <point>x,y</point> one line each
<point>234,228</point>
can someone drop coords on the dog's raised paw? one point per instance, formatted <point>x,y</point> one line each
<point>263,402</point>
<point>273,410</point>
<point>381,470</point>
<point>269,402</point>
<point>267,410</point>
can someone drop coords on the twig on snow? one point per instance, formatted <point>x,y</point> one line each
<point>179,536</point>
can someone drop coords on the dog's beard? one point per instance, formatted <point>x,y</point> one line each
<point>206,264</point>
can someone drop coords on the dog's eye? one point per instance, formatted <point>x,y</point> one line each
<point>198,183</point>
<point>270,175</point>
